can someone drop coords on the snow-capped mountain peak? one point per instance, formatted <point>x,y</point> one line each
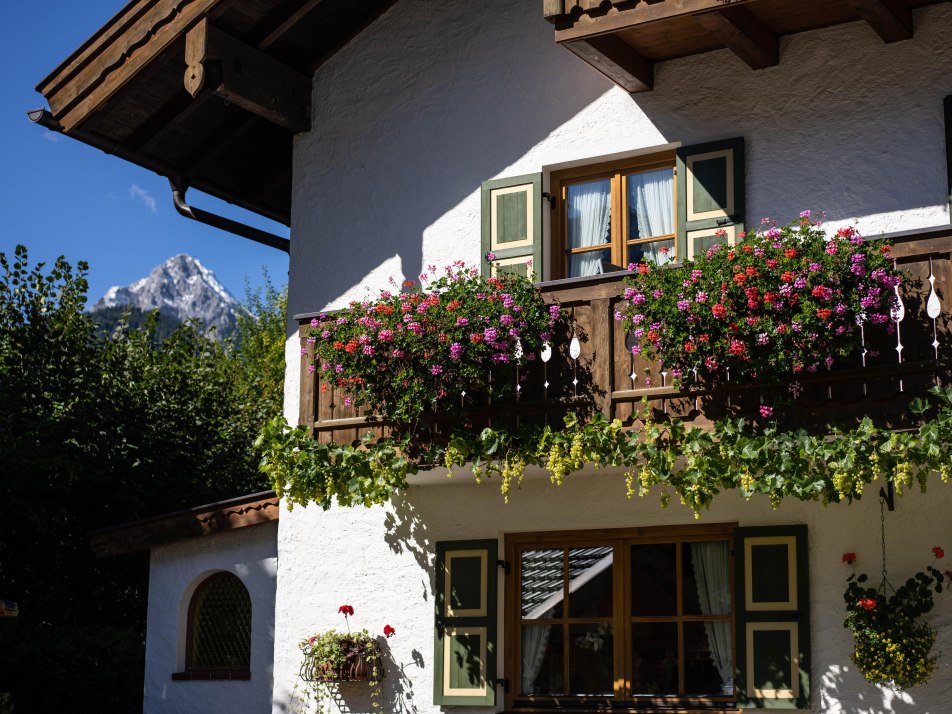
<point>182,288</point>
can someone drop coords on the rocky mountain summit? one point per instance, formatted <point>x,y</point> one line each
<point>180,288</point>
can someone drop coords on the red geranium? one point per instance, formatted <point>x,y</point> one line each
<point>347,610</point>
<point>849,558</point>
<point>867,603</point>
<point>938,552</point>
<point>388,631</point>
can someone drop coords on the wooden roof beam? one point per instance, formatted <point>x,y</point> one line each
<point>744,34</point>
<point>891,19</point>
<point>246,77</point>
<point>616,60</point>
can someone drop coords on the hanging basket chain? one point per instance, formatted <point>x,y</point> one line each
<point>882,528</point>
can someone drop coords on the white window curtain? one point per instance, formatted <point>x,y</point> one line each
<point>651,200</point>
<point>589,212</point>
<point>535,639</point>
<point>712,575</point>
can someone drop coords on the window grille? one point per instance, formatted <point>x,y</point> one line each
<point>219,625</point>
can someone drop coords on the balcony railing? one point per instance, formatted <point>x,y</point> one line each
<point>592,369</point>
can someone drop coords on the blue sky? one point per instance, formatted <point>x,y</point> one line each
<point>61,197</point>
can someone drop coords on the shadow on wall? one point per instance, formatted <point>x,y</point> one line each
<point>844,124</point>
<point>837,695</point>
<point>416,125</point>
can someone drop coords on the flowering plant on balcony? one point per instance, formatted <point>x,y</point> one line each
<point>786,299</point>
<point>423,347</point>
<point>892,644</point>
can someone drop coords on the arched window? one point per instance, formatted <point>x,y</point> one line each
<point>218,640</point>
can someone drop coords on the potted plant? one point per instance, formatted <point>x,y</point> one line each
<point>332,658</point>
<point>427,348</point>
<point>784,300</point>
<point>892,643</point>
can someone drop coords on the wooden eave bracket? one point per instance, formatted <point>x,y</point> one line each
<point>891,19</point>
<point>247,77</point>
<point>744,34</point>
<point>616,60</point>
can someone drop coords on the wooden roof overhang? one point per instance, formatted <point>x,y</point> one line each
<point>224,516</point>
<point>206,92</point>
<point>623,39</point>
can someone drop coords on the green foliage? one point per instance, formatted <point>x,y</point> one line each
<point>257,345</point>
<point>110,319</point>
<point>692,463</point>
<point>892,644</point>
<point>95,431</point>
<point>419,351</point>
<point>785,300</point>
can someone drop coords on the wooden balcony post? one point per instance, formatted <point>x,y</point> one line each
<point>602,354</point>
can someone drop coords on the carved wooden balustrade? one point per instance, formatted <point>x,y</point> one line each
<point>592,369</point>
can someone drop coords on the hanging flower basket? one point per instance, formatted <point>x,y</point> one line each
<point>361,659</point>
<point>892,644</point>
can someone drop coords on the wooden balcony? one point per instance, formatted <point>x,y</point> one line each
<point>606,377</point>
<point>624,38</point>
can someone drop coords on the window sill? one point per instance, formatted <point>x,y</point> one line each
<point>211,675</point>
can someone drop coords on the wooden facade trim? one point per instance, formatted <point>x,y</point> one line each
<point>251,510</point>
<point>97,77</point>
<point>660,30</point>
<point>891,19</point>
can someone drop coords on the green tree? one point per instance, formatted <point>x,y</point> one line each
<point>98,430</point>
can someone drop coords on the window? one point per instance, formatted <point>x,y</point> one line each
<point>677,618</point>
<point>218,638</point>
<point>642,616</point>
<point>614,214</point>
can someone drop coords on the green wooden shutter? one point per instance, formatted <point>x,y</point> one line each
<point>772,617</point>
<point>948,148</point>
<point>710,194</point>
<point>465,636</point>
<point>512,225</point>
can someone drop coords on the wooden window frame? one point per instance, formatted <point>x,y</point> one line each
<point>621,539</point>
<point>191,673</point>
<point>616,171</point>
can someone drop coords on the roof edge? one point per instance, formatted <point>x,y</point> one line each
<point>209,519</point>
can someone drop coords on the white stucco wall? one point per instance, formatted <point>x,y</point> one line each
<point>417,111</point>
<point>379,560</point>
<point>426,104</point>
<point>175,570</point>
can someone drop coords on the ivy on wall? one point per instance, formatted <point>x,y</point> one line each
<point>674,459</point>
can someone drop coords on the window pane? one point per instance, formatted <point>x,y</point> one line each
<point>654,587</point>
<point>542,658</point>
<point>706,584</point>
<point>590,582</point>
<point>708,659</point>
<point>591,659</point>
<point>650,203</point>
<point>589,263</point>
<point>542,583</point>
<point>588,223</point>
<point>221,625</point>
<point>658,252</point>
<point>654,658</point>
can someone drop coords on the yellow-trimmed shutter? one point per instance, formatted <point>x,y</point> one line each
<point>512,226</point>
<point>465,631</point>
<point>948,148</point>
<point>772,617</point>
<point>711,194</point>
